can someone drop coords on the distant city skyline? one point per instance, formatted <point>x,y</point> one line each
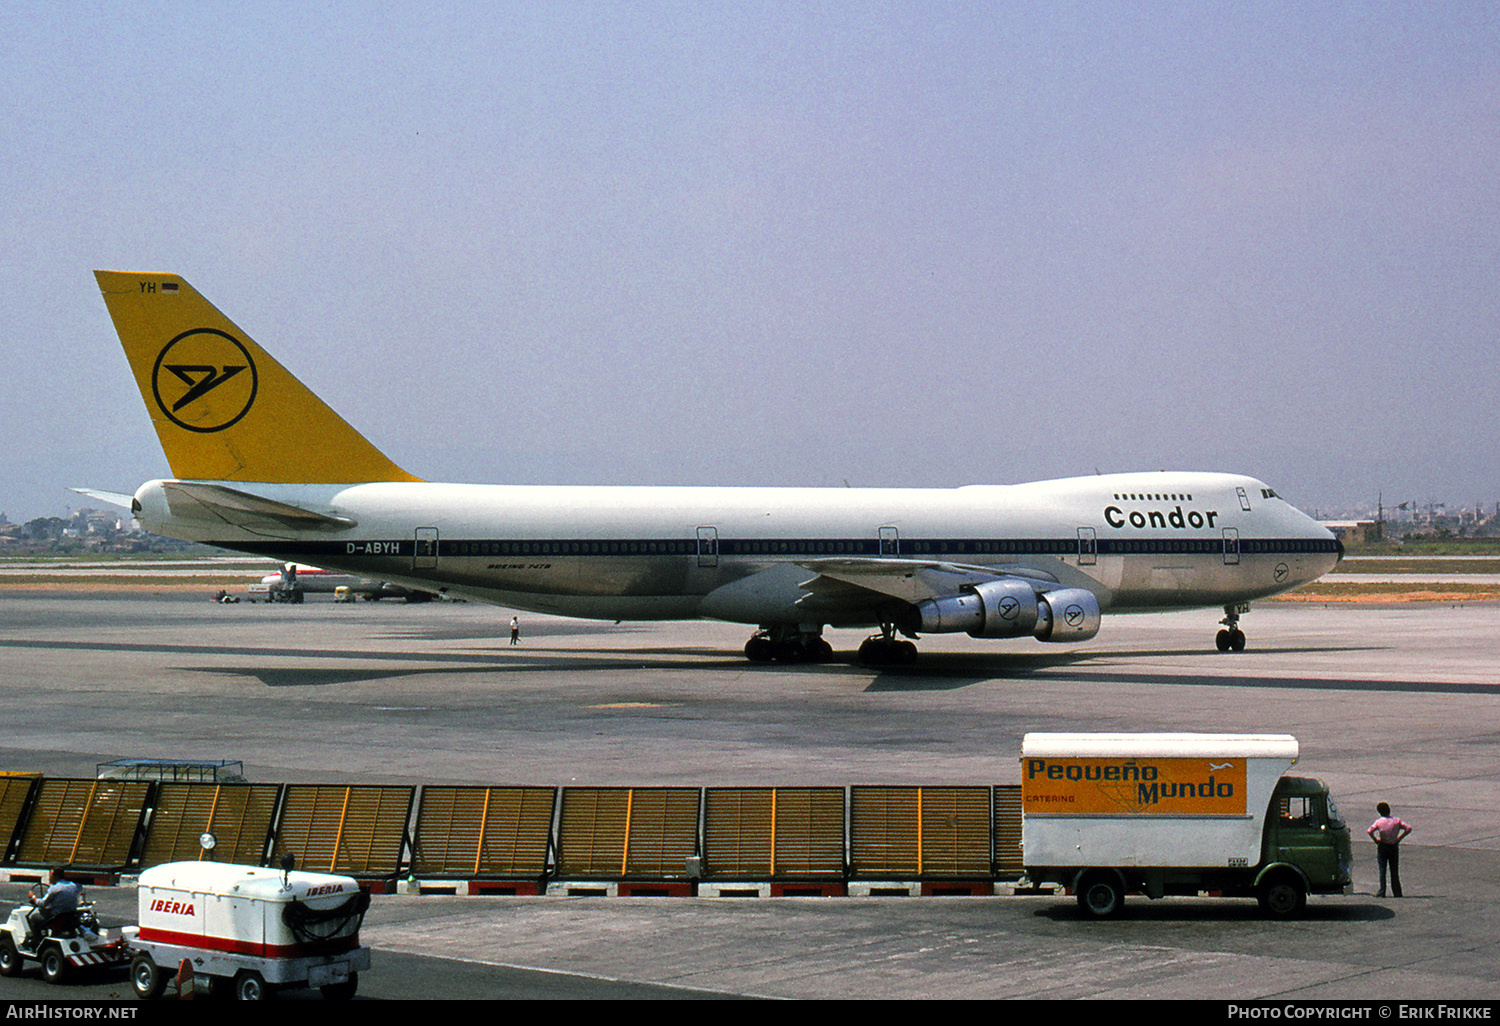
<point>702,243</point>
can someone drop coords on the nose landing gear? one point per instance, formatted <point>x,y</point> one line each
<point>1231,638</point>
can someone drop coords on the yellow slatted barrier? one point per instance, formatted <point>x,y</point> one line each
<point>883,831</point>
<point>483,831</point>
<point>89,823</point>
<point>769,832</point>
<point>503,832</point>
<point>919,831</point>
<point>591,831</point>
<point>1007,830</point>
<point>955,831</point>
<point>238,815</point>
<point>663,831</point>
<point>627,832</point>
<point>15,788</point>
<point>358,830</point>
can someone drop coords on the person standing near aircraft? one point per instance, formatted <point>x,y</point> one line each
<point>1387,832</point>
<point>515,630</point>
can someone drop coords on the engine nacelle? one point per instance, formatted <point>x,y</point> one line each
<point>1068,614</point>
<point>991,609</point>
<point>1009,609</point>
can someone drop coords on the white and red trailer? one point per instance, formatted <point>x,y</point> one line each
<point>256,928</point>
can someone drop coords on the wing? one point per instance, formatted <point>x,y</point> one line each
<point>942,597</point>
<point>910,580</point>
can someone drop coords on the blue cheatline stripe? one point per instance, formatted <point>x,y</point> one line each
<point>921,548</point>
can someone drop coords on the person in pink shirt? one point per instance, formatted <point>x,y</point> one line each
<point>1387,832</point>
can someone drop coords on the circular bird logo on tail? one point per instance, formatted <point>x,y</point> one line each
<point>204,380</point>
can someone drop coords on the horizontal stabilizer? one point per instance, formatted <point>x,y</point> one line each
<point>113,498</point>
<point>196,501</point>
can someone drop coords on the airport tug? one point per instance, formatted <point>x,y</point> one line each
<point>82,945</point>
<point>254,928</point>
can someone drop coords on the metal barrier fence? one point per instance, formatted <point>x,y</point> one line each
<point>517,833</point>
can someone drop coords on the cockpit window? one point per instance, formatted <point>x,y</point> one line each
<point>1269,493</point>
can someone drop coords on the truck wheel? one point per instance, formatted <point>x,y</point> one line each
<point>341,991</point>
<point>11,961</point>
<point>1282,897</point>
<point>147,978</point>
<point>249,985</point>
<point>54,965</point>
<point>1101,895</point>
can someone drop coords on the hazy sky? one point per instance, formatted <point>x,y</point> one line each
<point>784,243</point>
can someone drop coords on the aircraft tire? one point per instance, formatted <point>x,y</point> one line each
<point>791,652</point>
<point>884,652</point>
<point>759,650</point>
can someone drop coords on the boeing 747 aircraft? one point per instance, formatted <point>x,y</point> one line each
<point>263,466</point>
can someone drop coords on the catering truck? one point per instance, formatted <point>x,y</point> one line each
<point>1107,815</point>
<point>253,928</point>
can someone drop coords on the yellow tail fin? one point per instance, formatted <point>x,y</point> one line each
<point>223,409</point>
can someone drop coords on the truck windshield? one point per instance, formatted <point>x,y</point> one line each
<point>1334,819</point>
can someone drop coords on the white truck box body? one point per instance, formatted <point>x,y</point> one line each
<point>1149,800</point>
<point>237,909</point>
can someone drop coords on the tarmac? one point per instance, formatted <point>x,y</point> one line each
<point>1395,702</point>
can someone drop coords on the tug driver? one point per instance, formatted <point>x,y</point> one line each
<point>58,908</point>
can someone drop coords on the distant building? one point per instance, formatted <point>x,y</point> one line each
<point>1354,532</point>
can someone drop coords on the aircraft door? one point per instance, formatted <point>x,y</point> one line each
<point>708,546</point>
<point>890,542</point>
<point>1088,547</point>
<point>1231,546</point>
<point>424,553</point>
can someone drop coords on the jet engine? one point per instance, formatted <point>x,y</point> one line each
<point>1068,614</point>
<point>1010,609</point>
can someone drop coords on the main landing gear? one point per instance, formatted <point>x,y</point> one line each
<point>887,649</point>
<point>1231,638</point>
<point>788,645</point>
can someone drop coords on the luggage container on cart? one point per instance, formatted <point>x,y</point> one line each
<point>255,928</point>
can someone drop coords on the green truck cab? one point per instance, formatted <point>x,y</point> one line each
<point>1306,848</point>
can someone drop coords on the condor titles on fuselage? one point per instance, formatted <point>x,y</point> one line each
<point>262,465</point>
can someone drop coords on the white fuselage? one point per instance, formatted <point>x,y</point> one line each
<point>1146,541</point>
